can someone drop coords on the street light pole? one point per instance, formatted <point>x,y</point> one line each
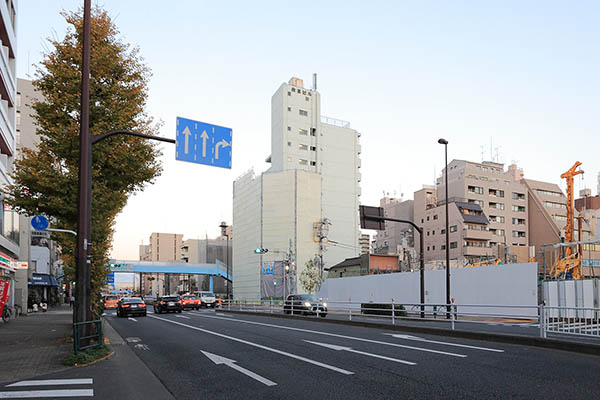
<point>224,227</point>
<point>445,143</point>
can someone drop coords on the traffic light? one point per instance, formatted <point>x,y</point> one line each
<point>260,250</point>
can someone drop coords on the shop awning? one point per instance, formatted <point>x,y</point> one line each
<point>42,280</point>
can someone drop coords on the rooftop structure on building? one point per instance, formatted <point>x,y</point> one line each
<point>308,198</point>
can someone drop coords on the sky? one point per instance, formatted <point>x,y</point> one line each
<point>513,81</point>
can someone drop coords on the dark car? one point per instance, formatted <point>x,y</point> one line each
<point>168,303</point>
<point>131,306</point>
<point>305,304</point>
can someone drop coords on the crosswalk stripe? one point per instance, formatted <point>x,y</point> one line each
<point>51,382</point>
<point>31,394</point>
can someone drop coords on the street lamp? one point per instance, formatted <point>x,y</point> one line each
<point>445,143</point>
<point>224,227</point>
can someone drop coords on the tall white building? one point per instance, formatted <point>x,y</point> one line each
<point>313,183</point>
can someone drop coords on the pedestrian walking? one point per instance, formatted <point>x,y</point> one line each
<point>72,301</point>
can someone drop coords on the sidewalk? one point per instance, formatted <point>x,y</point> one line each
<point>35,344</point>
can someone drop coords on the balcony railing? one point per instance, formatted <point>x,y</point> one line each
<point>335,122</point>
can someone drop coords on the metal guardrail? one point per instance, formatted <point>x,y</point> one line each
<point>93,338</point>
<point>560,320</point>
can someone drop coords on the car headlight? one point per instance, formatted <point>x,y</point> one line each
<point>307,304</point>
<point>324,304</point>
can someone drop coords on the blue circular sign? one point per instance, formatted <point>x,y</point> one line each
<point>39,223</point>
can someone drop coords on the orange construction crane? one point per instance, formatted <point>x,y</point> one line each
<point>568,176</point>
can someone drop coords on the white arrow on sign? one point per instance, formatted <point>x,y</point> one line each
<point>349,349</point>
<point>222,143</point>
<point>418,339</point>
<point>186,132</point>
<point>204,136</point>
<point>231,363</point>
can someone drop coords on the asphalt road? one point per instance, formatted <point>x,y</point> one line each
<point>288,359</point>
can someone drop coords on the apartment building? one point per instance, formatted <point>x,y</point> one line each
<point>364,242</point>
<point>162,247</point>
<point>313,180</point>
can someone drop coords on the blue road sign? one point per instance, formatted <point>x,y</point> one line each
<point>39,223</point>
<point>110,278</point>
<point>203,143</point>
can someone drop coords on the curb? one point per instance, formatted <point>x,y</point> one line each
<point>583,348</point>
<point>112,353</point>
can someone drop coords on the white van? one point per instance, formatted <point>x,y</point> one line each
<point>207,299</point>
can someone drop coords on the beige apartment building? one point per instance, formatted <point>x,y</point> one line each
<point>162,247</point>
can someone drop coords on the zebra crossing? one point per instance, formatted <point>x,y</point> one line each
<point>49,388</point>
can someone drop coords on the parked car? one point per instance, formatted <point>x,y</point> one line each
<point>168,303</point>
<point>207,299</point>
<point>131,306</point>
<point>190,301</point>
<point>148,300</point>
<point>110,302</point>
<point>305,304</point>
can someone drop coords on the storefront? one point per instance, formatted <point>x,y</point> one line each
<point>43,288</point>
<point>7,276</point>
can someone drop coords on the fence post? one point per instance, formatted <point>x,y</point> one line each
<point>75,338</point>
<point>452,316</point>
<point>100,333</point>
<point>542,321</point>
<point>393,313</point>
<point>350,309</point>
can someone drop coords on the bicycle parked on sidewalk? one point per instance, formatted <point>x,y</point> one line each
<point>11,312</point>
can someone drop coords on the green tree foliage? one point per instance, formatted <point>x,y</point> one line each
<point>46,179</point>
<point>310,278</point>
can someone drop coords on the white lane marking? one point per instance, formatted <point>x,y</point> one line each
<point>132,319</point>
<point>260,346</point>
<point>339,336</point>
<point>231,363</point>
<point>50,382</point>
<point>142,346</point>
<point>416,338</point>
<point>133,339</point>
<point>182,316</point>
<point>29,394</point>
<point>351,350</point>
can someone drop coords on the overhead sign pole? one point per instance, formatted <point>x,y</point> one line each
<point>374,218</point>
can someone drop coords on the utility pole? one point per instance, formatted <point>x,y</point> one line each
<point>83,310</point>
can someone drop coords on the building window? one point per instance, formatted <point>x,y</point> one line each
<point>498,206</point>
<point>289,144</point>
<point>518,234</point>
<point>561,218</point>
<point>518,208</point>
<point>518,196</point>
<point>18,118</point>
<point>432,232</point>
<point>303,113</point>
<point>443,247</point>
<point>427,233</point>
<point>313,131</point>
<point>518,221</point>
<point>497,232</point>
<point>289,93</point>
<point>289,108</point>
<point>313,148</point>
<point>432,247</point>
<point>547,193</point>
<point>304,132</point>
<point>302,162</point>
<point>422,220</point>
<point>475,189</point>
<point>453,228</point>
<point>313,163</point>
<point>453,245</point>
<point>18,99</point>
<point>428,218</point>
<point>496,192</point>
<point>303,146</point>
<point>555,205</point>
<point>289,128</point>
<point>427,248</point>
<point>435,217</point>
<point>442,231</point>
<point>306,98</point>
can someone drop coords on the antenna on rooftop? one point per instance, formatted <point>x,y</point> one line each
<point>315,82</point>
